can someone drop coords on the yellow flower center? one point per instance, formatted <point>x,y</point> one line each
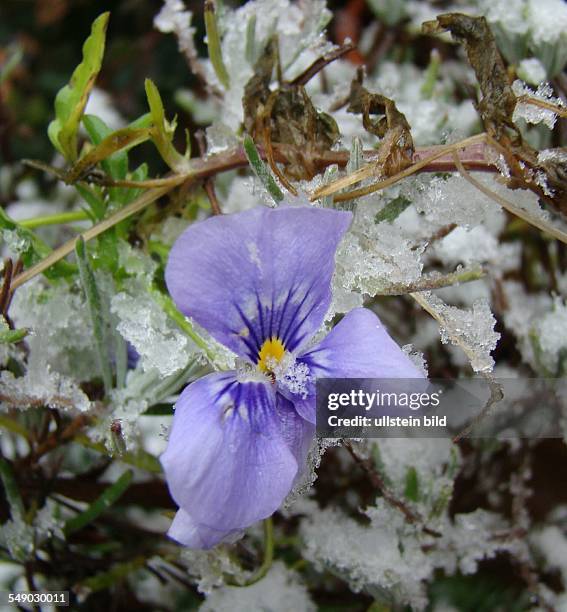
<point>272,350</point>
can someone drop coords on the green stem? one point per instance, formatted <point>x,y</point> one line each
<point>431,75</point>
<point>58,219</point>
<point>268,554</point>
<point>214,44</point>
<point>95,310</point>
<point>182,322</point>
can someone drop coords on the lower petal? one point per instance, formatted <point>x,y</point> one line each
<point>227,464</point>
<point>297,432</point>
<point>185,531</point>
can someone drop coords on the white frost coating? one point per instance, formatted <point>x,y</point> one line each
<point>279,591</point>
<point>173,18</point>
<point>371,257</point>
<point>210,567</point>
<point>472,329</point>
<point>532,71</point>
<point>291,374</point>
<point>551,332</point>
<point>530,112</point>
<point>468,246</point>
<point>369,557</point>
<point>147,328</point>
<point>299,28</point>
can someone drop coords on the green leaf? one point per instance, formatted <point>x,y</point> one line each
<point>392,210</point>
<point>11,489</point>
<point>102,503</point>
<point>114,144</point>
<point>214,44</point>
<point>261,170</point>
<point>411,490</point>
<point>31,248</point>
<point>11,336</point>
<point>70,102</point>
<point>95,311</point>
<point>163,131</point>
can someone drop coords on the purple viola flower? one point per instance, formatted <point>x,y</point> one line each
<point>260,282</point>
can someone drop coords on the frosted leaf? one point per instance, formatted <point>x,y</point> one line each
<point>469,539</point>
<point>219,138</point>
<point>371,558</point>
<point>472,330</point>
<point>142,323</point>
<point>170,230</point>
<point>552,155</point>
<point>455,200</point>
<point>135,262</point>
<point>281,590</point>
<point>551,333</point>
<point>173,18</point>
<point>210,567</point>
<point>530,112</point>
<point>417,358</point>
<point>548,20</point>
<point>60,329</point>
<point>551,543</point>
<point>42,387</point>
<point>468,246</point>
<point>372,257</point>
<point>343,300</point>
<point>532,71</point>
<point>18,537</point>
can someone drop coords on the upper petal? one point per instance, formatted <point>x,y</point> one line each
<point>260,273</point>
<point>227,464</point>
<point>357,347</point>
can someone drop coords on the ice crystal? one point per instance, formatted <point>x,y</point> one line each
<point>143,324</point>
<point>280,590</point>
<point>472,330</point>
<point>291,374</point>
<point>532,113</point>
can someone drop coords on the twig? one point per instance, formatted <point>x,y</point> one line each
<point>208,183</point>
<point>321,62</point>
<point>509,206</point>
<point>378,482</point>
<point>236,158</point>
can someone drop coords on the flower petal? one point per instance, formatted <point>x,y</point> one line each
<point>357,347</point>
<point>296,431</point>
<point>185,531</point>
<point>260,273</point>
<point>227,463</point>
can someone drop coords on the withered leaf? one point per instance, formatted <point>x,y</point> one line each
<point>496,108</point>
<point>396,149</point>
<point>286,116</point>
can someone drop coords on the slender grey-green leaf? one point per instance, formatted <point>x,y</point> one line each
<point>11,489</point>
<point>94,305</point>
<point>102,503</point>
<point>261,170</point>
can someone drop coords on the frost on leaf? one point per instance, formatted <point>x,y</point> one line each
<point>532,113</point>
<point>142,323</point>
<point>472,330</point>
<point>281,589</point>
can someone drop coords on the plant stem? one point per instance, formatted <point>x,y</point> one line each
<point>57,219</point>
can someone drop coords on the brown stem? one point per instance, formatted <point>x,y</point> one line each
<point>56,439</point>
<point>377,481</point>
<point>321,62</point>
<point>208,183</point>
